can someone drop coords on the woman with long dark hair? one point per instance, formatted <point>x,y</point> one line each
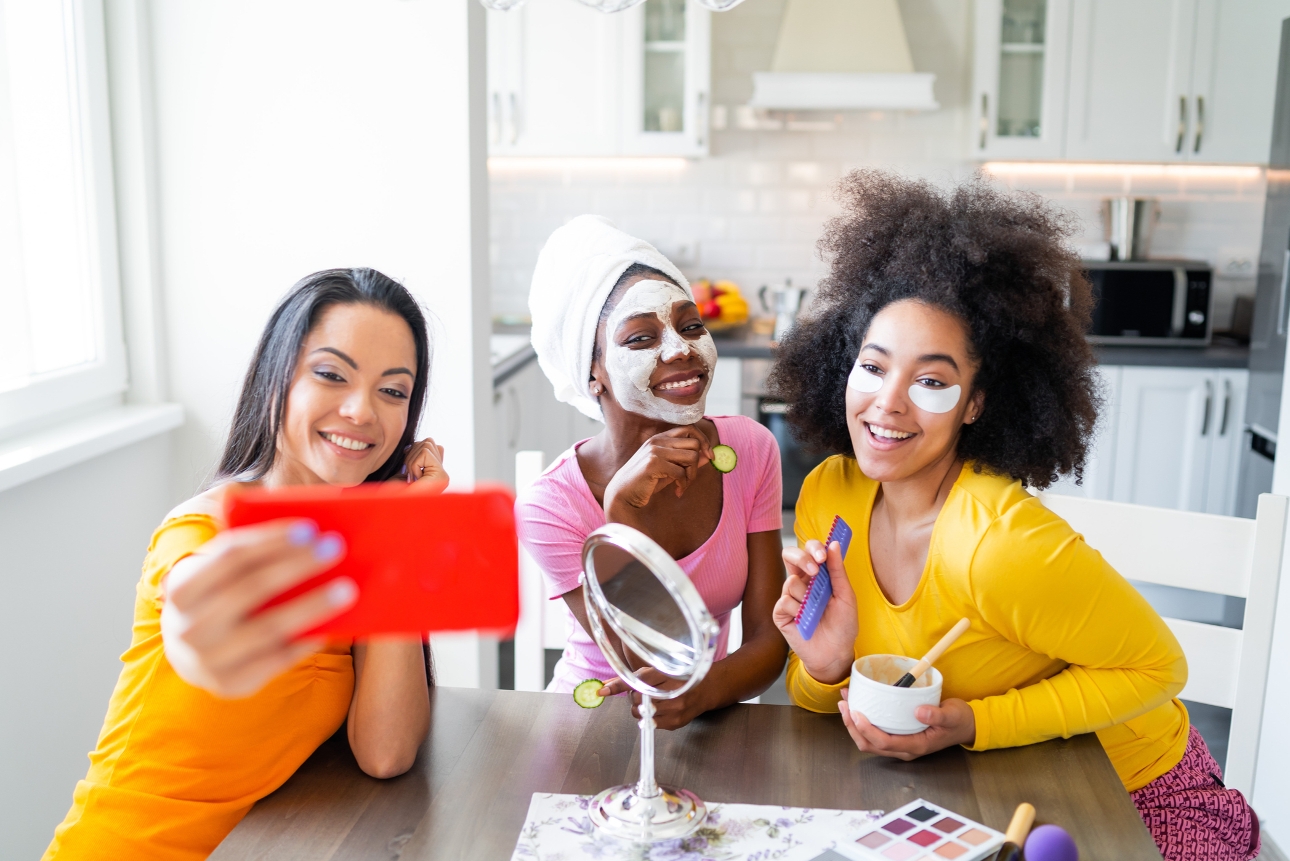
<point>217,705</point>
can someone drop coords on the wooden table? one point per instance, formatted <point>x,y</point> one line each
<point>488,751</point>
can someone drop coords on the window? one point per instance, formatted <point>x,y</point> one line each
<point>60,320</point>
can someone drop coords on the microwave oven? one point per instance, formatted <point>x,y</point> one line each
<point>1161,302</point>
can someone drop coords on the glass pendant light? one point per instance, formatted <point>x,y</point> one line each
<point>501,5</point>
<point>719,5</point>
<point>611,5</point>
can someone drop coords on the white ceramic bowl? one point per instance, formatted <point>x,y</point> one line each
<point>889,708</point>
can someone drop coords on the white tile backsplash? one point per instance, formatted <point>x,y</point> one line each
<point>753,211</point>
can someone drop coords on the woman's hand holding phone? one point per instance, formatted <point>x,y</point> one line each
<point>213,636</point>
<point>828,655</point>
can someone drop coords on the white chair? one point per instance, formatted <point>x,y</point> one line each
<point>1207,553</point>
<point>530,631</point>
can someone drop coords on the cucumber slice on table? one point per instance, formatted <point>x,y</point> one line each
<point>724,458</point>
<point>585,693</point>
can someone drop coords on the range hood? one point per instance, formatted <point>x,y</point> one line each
<point>843,54</point>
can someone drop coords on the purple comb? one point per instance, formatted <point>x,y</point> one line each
<point>821,586</point>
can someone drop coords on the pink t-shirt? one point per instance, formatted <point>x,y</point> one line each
<point>558,511</point>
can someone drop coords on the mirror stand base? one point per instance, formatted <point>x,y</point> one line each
<point>621,812</point>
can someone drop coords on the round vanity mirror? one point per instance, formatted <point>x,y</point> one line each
<point>645,612</point>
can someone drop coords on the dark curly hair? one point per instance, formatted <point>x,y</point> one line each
<point>996,260</point>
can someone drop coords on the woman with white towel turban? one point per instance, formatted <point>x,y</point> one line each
<point>618,335</point>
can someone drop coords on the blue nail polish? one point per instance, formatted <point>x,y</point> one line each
<point>329,546</point>
<point>302,533</point>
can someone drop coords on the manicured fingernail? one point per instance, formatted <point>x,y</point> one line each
<point>302,533</point>
<point>341,591</point>
<point>328,547</point>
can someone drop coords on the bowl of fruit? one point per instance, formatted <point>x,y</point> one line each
<point>721,304</point>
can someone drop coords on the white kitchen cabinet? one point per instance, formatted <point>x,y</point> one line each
<point>567,80</point>
<point>1230,388</point>
<point>553,80</point>
<point>1020,78</point>
<point>1130,80</point>
<point>1234,81</point>
<point>1173,80</point>
<point>1173,448</point>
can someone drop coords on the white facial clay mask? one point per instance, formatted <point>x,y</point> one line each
<point>630,370</point>
<point>935,400</point>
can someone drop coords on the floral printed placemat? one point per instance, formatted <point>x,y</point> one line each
<point>558,828</point>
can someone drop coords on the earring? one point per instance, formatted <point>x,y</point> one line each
<point>596,389</point>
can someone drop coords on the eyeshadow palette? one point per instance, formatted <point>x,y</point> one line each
<point>925,831</point>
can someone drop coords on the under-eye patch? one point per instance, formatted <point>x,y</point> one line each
<point>863,380</point>
<point>934,400</point>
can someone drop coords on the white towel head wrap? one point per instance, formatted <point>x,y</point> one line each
<point>575,273</point>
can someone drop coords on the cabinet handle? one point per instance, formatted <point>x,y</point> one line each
<point>985,119</point>
<point>1281,303</point>
<point>1227,403</point>
<point>701,118</point>
<point>1200,122</point>
<point>495,126</point>
<point>1182,123</point>
<point>1209,401</point>
<point>515,118</point>
<point>515,419</point>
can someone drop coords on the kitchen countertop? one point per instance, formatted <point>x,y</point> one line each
<point>1216,356</point>
<point>511,351</point>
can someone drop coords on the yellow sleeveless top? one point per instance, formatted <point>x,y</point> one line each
<point>176,768</point>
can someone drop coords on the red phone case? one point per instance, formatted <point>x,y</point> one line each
<point>422,563</point>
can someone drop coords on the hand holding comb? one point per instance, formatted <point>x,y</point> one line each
<point>933,655</point>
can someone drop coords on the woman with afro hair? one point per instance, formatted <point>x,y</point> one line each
<point>944,362</point>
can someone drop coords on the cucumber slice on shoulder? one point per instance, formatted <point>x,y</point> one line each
<point>724,458</point>
<point>585,693</point>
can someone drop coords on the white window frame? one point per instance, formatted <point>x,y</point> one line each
<point>101,384</point>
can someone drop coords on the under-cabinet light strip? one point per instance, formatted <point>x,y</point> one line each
<point>642,165</point>
<point>1181,171</point>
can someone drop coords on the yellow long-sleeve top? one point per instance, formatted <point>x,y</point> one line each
<point>176,768</point>
<point>1059,644</point>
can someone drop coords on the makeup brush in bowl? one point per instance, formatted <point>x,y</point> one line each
<point>933,655</point>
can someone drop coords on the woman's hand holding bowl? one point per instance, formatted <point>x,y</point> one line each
<point>828,655</point>
<point>953,722</point>
<point>214,637</point>
<point>669,458</point>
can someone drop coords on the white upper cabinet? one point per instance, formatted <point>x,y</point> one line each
<point>1019,97</point>
<point>1234,80</point>
<point>567,80</point>
<point>1130,86</point>
<point>553,80</point>
<point>1126,80</point>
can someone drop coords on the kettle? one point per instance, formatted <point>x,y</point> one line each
<point>785,302</point>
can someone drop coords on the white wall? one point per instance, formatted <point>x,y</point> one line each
<point>284,136</point>
<point>298,135</point>
<point>71,547</point>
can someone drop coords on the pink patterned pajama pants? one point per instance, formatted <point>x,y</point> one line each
<point>1192,816</point>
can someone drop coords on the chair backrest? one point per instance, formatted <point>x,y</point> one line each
<point>1206,553</point>
<point>530,633</point>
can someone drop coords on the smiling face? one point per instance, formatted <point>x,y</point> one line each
<point>903,410</point>
<point>658,358</point>
<point>348,402</point>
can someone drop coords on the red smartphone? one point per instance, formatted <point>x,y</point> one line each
<point>448,562</point>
